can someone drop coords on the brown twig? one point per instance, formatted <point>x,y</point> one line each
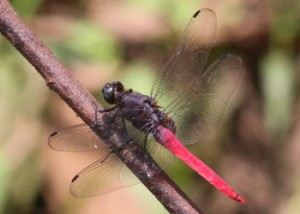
<point>60,80</point>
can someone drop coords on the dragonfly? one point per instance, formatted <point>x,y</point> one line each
<point>186,102</point>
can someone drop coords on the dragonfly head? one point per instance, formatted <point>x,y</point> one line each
<point>113,92</point>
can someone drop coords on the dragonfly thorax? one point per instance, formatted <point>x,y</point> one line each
<point>141,110</point>
<point>144,113</point>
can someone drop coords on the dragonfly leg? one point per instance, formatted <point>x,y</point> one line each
<point>106,110</point>
<point>102,111</point>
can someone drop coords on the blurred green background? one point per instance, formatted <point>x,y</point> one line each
<point>256,147</point>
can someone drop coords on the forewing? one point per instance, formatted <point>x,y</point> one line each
<point>191,95</point>
<point>188,60</point>
<point>75,139</point>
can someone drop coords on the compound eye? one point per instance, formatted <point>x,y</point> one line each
<point>108,93</point>
<point>119,88</point>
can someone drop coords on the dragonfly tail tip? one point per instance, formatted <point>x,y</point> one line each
<point>240,199</point>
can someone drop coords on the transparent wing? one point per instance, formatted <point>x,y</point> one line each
<point>194,97</point>
<point>102,176</point>
<point>160,154</point>
<point>110,174</point>
<point>75,139</point>
<point>204,104</point>
<point>188,60</point>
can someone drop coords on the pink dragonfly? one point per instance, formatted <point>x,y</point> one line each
<point>186,99</point>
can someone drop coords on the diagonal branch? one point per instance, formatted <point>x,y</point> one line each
<point>59,79</point>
